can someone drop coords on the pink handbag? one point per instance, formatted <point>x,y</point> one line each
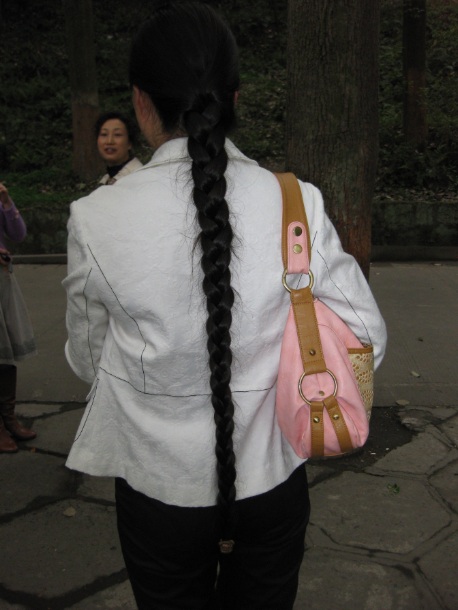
<point>325,379</point>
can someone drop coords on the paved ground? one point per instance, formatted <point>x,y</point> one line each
<point>384,526</point>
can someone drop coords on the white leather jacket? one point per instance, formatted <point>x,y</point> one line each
<point>136,324</point>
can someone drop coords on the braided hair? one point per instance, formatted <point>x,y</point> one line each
<point>185,58</point>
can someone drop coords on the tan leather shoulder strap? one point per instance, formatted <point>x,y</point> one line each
<point>293,210</point>
<point>302,302</point>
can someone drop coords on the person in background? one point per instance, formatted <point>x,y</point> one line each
<point>16,334</point>
<point>116,137</point>
<point>175,315</point>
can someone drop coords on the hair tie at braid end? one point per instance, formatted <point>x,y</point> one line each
<point>226,546</point>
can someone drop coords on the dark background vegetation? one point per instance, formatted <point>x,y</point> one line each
<point>35,114</point>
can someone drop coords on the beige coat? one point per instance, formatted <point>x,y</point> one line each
<point>128,168</point>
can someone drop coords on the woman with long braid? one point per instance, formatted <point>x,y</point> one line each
<point>175,316</point>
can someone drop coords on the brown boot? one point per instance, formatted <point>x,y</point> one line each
<point>8,375</point>
<point>7,445</point>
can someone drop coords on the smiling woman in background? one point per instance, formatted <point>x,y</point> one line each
<point>116,136</point>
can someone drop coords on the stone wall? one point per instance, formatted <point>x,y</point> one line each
<point>401,230</point>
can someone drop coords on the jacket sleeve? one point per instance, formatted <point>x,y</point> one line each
<point>13,224</point>
<point>339,281</point>
<point>87,316</point>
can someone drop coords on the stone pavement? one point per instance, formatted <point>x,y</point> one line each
<point>384,528</point>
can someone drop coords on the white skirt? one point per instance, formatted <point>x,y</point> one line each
<point>16,334</point>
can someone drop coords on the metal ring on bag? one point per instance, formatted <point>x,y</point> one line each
<point>334,393</point>
<point>285,273</point>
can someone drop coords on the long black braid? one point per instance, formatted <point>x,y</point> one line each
<point>186,59</point>
<point>209,160</point>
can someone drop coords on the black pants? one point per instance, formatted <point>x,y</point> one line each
<point>172,555</point>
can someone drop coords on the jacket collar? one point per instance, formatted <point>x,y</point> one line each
<point>176,150</point>
<point>125,170</point>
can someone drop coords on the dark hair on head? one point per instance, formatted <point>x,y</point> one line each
<point>185,58</point>
<point>132,129</point>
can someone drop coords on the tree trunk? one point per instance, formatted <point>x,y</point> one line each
<point>414,72</point>
<point>332,110</point>
<point>83,83</point>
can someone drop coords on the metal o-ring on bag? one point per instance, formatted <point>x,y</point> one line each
<point>334,393</point>
<point>285,284</point>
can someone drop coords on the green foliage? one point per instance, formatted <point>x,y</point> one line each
<point>261,111</point>
<point>35,104</point>
<point>431,169</point>
<point>435,168</point>
<point>260,30</point>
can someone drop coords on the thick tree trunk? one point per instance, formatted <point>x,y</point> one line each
<point>332,110</point>
<point>414,72</point>
<point>83,82</point>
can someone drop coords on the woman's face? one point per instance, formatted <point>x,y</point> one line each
<point>113,142</point>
